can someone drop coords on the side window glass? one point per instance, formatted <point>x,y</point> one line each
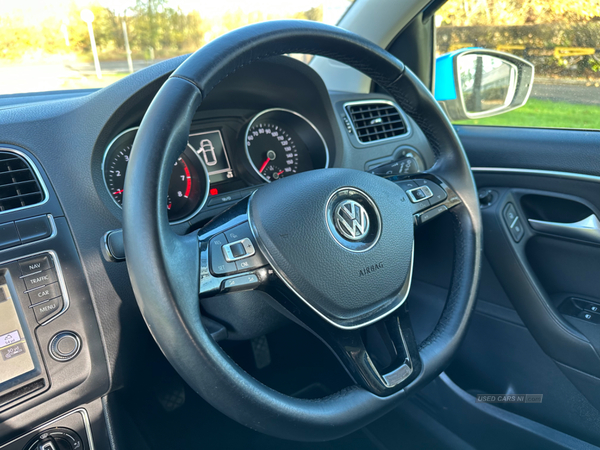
<point>561,38</point>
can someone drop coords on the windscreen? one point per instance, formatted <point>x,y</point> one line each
<point>49,45</point>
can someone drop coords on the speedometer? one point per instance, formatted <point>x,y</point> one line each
<point>188,186</point>
<point>273,150</point>
<point>280,143</point>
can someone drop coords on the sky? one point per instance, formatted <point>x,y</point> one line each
<point>36,10</point>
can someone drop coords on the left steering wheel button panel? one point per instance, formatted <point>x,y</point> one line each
<point>218,264</point>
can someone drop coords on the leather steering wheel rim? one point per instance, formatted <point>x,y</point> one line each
<point>164,267</point>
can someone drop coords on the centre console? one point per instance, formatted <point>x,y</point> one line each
<point>52,361</point>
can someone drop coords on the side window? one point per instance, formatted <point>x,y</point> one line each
<point>561,38</point>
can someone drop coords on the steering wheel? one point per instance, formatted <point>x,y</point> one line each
<point>336,258</point>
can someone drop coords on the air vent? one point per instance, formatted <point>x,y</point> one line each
<point>19,186</point>
<point>375,121</point>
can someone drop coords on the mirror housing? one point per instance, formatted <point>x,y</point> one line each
<point>473,83</point>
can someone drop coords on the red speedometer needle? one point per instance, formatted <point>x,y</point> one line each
<point>279,173</point>
<point>264,164</point>
<point>120,191</point>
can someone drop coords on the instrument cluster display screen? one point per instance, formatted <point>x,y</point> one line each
<point>15,352</point>
<point>211,148</point>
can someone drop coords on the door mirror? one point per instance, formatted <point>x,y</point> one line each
<point>476,83</point>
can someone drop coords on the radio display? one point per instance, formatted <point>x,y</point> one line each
<point>210,146</point>
<point>15,352</point>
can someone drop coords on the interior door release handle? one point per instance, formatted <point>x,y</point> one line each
<point>587,229</point>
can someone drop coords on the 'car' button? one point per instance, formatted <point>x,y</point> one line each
<point>47,310</point>
<point>44,293</point>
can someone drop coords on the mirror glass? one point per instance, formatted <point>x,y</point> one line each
<point>486,83</point>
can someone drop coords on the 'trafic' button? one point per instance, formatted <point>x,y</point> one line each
<point>39,279</point>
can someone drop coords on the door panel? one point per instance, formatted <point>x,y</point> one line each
<point>529,335</point>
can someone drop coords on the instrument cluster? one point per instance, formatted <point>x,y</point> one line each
<point>274,144</point>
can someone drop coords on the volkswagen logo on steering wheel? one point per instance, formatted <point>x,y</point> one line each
<point>351,220</point>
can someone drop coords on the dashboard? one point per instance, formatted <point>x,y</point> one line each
<point>70,329</point>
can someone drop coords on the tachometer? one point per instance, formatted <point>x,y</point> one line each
<point>188,187</point>
<point>280,143</point>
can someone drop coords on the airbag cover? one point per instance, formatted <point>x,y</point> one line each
<point>348,284</point>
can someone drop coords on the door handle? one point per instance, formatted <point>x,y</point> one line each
<point>587,229</point>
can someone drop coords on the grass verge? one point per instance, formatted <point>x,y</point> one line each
<point>545,114</point>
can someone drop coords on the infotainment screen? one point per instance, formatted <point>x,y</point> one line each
<point>16,358</point>
<point>210,146</point>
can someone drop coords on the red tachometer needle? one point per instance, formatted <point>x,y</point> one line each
<point>279,173</point>
<point>120,191</point>
<point>264,165</point>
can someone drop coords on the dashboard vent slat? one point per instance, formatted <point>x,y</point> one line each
<point>19,186</point>
<point>376,121</point>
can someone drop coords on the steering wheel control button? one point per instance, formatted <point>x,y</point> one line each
<point>33,229</point>
<point>428,215</point>
<point>39,279</point>
<point>437,193</point>
<point>238,250</point>
<point>45,311</point>
<point>44,293</point>
<point>218,264</point>
<point>513,222</point>
<point>64,346</point>
<point>253,259</point>
<point>243,282</point>
<point>419,194</point>
<point>418,206</point>
<point>34,265</point>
